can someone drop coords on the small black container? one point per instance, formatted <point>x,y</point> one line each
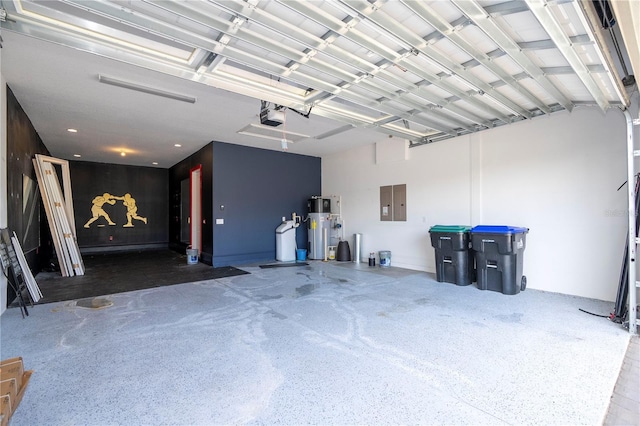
<point>372,259</point>
<point>343,254</point>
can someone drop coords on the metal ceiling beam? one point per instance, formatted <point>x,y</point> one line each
<point>542,12</point>
<point>78,38</point>
<point>299,58</point>
<point>443,62</point>
<point>478,15</point>
<point>361,100</point>
<point>549,44</point>
<point>461,22</point>
<point>248,59</point>
<point>593,69</point>
<point>284,28</point>
<point>421,107</point>
<point>338,26</point>
<point>444,84</point>
<point>507,8</point>
<point>148,24</point>
<point>429,15</point>
<point>591,22</point>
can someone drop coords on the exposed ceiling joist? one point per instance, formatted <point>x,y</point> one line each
<point>416,70</point>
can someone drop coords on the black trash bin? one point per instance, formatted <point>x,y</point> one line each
<point>454,260</point>
<point>499,252</point>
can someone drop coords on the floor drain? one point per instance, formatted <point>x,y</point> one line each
<point>94,303</point>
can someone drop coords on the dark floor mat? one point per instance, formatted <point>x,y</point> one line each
<point>122,272</point>
<point>283,265</point>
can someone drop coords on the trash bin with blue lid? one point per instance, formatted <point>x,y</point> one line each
<point>454,260</point>
<point>499,252</point>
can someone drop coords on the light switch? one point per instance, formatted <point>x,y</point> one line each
<point>219,221</point>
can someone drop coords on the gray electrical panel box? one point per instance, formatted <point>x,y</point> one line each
<point>393,203</point>
<point>386,203</point>
<point>400,202</point>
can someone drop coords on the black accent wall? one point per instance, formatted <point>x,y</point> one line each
<point>177,174</point>
<point>23,142</point>
<point>148,186</point>
<point>257,187</point>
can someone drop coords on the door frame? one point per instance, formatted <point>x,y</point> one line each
<point>195,208</point>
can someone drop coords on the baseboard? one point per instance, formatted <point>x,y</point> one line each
<point>123,248</point>
<point>239,259</point>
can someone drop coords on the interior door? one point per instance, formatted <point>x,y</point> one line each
<point>196,208</point>
<point>185,211</point>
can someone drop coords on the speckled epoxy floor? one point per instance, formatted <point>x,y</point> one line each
<point>330,343</point>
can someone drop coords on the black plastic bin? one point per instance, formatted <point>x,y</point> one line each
<point>499,252</point>
<point>454,260</point>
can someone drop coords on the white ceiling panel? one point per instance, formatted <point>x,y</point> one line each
<point>573,85</point>
<point>522,27</point>
<point>507,64</point>
<point>451,51</point>
<point>544,58</point>
<point>516,96</point>
<point>478,39</point>
<point>483,74</point>
<point>445,9</point>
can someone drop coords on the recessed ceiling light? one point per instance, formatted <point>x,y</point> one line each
<point>155,163</point>
<point>72,130</point>
<point>177,145</point>
<point>77,155</point>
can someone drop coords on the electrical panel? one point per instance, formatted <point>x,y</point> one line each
<point>393,203</point>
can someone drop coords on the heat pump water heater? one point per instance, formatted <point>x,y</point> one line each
<point>317,223</point>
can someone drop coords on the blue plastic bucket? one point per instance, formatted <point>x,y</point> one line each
<point>301,254</point>
<point>385,258</point>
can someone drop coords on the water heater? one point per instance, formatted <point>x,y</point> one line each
<point>317,224</point>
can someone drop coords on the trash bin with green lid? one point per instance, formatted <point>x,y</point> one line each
<point>499,252</point>
<point>454,259</point>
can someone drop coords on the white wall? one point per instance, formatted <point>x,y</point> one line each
<point>557,175</point>
<point>3,176</point>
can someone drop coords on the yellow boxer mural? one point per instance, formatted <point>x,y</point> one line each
<point>128,201</point>
<point>132,210</point>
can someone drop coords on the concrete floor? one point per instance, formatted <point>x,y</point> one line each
<point>329,343</point>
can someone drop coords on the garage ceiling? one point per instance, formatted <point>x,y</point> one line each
<point>338,70</point>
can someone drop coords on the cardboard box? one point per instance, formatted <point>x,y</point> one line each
<point>5,410</point>
<point>8,387</point>
<point>25,381</point>
<point>12,368</point>
<point>13,384</point>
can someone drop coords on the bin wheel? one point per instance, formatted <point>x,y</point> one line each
<point>523,283</point>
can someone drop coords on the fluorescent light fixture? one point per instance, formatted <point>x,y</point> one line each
<point>77,155</point>
<point>335,131</point>
<point>72,130</point>
<point>155,163</point>
<point>145,89</point>
<point>268,132</point>
<point>177,145</point>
